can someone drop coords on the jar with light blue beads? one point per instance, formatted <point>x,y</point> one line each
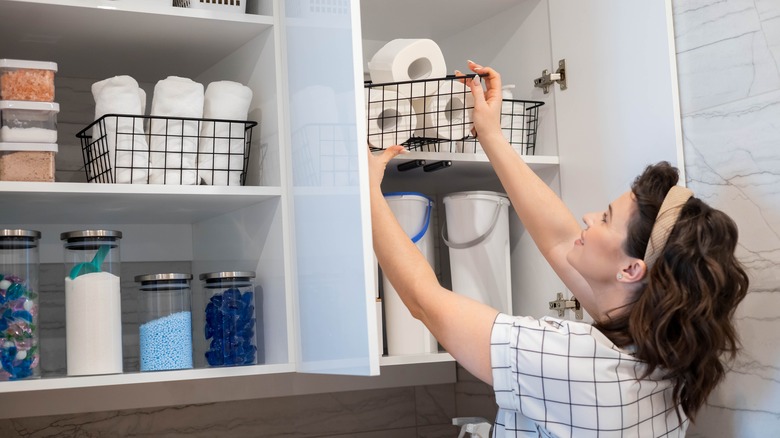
<point>230,318</point>
<point>165,321</point>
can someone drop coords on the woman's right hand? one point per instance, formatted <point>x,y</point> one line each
<point>487,102</point>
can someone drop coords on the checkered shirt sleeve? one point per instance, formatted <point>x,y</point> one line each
<point>558,378</point>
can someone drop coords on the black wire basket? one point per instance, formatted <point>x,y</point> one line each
<point>134,149</point>
<point>434,115</point>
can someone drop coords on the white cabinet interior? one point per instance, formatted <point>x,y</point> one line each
<point>251,227</point>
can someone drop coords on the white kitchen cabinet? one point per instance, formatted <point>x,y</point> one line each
<point>302,221</point>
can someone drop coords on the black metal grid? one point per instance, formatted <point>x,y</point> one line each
<point>433,128</point>
<point>127,131</point>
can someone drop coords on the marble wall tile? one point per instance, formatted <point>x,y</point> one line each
<point>732,161</point>
<point>725,53</point>
<point>701,22</point>
<point>473,397</point>
<point>434,404</point>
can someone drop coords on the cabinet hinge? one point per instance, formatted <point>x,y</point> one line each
<point>560,304</point>
<point>547,79</point>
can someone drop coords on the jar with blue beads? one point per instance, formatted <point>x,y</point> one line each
<point>165,321</point>
<point>230,318</point>
<point>19,264</point>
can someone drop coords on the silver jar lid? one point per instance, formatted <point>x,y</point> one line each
<point>226,274</point>
<point>88,234</point>
<point>19,239</point>
<point>30,234</point>
<point>162,277</point>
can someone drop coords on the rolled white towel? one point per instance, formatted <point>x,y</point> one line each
<point>221,146</point>
<point>174,143</point>
<point>128,151</point>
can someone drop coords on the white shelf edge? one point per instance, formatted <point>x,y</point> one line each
<point>158,9</point>
<point>134,189</point>
<point>531,160</point>
<point>82,382</point>
<point>413,359</point>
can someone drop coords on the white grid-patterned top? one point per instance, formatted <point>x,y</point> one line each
<point>558,378</point>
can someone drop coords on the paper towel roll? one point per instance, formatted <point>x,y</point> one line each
<point>391,119</point>
<point>409,60</point>
<point>446,114</point>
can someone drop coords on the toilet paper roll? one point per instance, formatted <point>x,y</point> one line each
<point>408,60</point>
<point>446,114</point>
<point>391,119</point>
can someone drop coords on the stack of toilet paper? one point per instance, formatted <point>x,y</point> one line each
<point>420,105</point>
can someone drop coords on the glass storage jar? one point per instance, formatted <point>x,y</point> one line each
<point>230,318</point>
<point>93,305</point>
<point>19,264</point>
<point>165,330</point>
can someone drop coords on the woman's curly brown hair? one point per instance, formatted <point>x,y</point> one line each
<point>681,318</point>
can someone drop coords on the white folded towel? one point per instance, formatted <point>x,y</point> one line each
<point>174,143</point>
<point>124,136</point>
<point>221,147</point>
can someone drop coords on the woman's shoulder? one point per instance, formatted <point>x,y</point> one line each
<point>555,331</point>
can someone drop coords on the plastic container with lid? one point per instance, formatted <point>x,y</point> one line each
<point>28,122</point>
<point>93,305</point>
<point>27,161</point>
<point>19,264</point>
<point>230,318</point>
<point>165,329</point>
<point>27,80</point>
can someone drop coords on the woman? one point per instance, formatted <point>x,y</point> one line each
<point>655,269</point>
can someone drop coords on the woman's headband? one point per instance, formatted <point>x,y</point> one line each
<point>664,222</point>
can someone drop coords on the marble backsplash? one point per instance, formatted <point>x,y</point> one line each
<point>729,74</point>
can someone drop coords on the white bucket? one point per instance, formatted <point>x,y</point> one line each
<point>406,335</point>
<point>478,226</point>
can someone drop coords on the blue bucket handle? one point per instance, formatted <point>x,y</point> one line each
<point>426,223</point>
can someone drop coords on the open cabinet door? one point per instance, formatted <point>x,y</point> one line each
<point>328,188</point>
<point>619,111</point>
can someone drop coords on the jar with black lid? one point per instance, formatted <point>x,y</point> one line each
<point>230,318</point>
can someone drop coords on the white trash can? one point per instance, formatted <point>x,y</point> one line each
<point>477,234</point>
<point>406,335</point>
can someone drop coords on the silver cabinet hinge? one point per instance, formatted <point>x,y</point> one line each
<point>561,305</point>
<point>547,79</point>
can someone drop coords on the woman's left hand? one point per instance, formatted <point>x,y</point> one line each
<point>378,163</point>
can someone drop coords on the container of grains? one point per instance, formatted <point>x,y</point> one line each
<point>27,161</point>
<point>27,80</point>
<point>19,264</point>
<point>93,304</point>
<point>165,329</point>
<point>28,122</point>
<point>230,318</point>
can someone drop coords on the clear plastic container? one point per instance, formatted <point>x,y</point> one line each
<point>27,80</point>
<point>28,122</point>
<point>230,318</point>
<point>93,305</point>
<point>19,264</point>
<point>27,161</point>
<point>165,329</point>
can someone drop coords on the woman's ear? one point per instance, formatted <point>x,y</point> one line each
<point>634,272</point>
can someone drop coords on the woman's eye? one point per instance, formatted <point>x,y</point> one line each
<point>604,218</point>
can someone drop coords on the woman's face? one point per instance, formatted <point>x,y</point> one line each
<point>598,254</point>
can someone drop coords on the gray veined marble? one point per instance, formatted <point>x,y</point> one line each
<point>729,75</point>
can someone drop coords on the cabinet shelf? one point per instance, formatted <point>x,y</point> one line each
<point>467,170</point>
<point>56,203</point>
<point>76,33</point>
<point>68,395</point>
